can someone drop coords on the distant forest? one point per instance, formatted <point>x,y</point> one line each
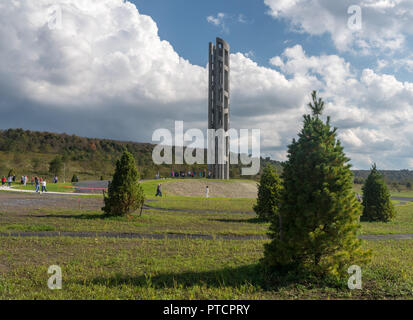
<point>30,152</point>
<point>390,176</point>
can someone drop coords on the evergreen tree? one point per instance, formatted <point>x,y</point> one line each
<point>269,191</point>
<point>75,178</point>
<point>377,205</point>
<point>125,194</point>
<point>56,166</point>
<point>319,213</point>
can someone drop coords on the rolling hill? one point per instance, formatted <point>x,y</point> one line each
<point>30,152</point>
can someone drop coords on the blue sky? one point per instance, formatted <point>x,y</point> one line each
<point>122,69</point>
<point>183,23</point>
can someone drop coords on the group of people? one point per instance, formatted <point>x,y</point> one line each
<point>9,180</point>
<point>38,182</point>
<point>24,180</point>
<point>190,174</point>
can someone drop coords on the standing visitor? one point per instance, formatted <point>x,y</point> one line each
<point>37,183</point>
<point>207,192</point>
<point>159,191</point>
<point>10,179</point>
<point>3,180</point>
<point>44,186</point>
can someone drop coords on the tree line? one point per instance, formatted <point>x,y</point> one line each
<point>41,153</point>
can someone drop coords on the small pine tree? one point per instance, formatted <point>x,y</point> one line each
<point>56,166</point>
<point>75,178</point>
<point>377,205</point>
<point>269,191</point>
<point>319,213</point>
<point>125,194</point>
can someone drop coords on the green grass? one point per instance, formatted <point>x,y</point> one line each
<point>152,221</point>
<point>51,187</point>
<point>406,193</point>
<point>394,193</point>
<point>187,222</point>
<point>106,268</point>
<point>205,204</point>
<point>402,223</point>
<point>180,269</point>
<point>149,186</point>
<point>26,227</point>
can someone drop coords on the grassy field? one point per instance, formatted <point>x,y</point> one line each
<point>214,216</point>
<point>152,221</point>
<point>180,269</point>
<point>110,268</point>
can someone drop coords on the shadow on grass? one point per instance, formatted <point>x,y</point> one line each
<point>232,277</point>
<point>251,275</point>
<point>251,220</point>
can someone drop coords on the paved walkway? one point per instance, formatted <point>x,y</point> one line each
<point>161,236</point>
<point>402,198</point>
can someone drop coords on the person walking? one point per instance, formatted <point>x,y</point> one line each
<point>158,191</point>
<point>37,183</point>
<point>10,179</point>
<point>44,185</point>
<point>207,192</point>
<point>3,180</point>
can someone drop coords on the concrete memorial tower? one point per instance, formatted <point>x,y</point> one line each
<point>218,108</point>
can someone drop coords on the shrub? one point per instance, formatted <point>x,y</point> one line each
<point>125,194</point>
<point>269,192</point>
<point>316,233</point>
<point>377,205</point>
<point>56,166</point>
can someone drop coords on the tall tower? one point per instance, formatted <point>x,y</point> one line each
<point>218,105</point>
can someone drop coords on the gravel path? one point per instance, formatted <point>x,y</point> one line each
<point>402,198</point>
<point>91,186</point>
<point>17,202</point>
